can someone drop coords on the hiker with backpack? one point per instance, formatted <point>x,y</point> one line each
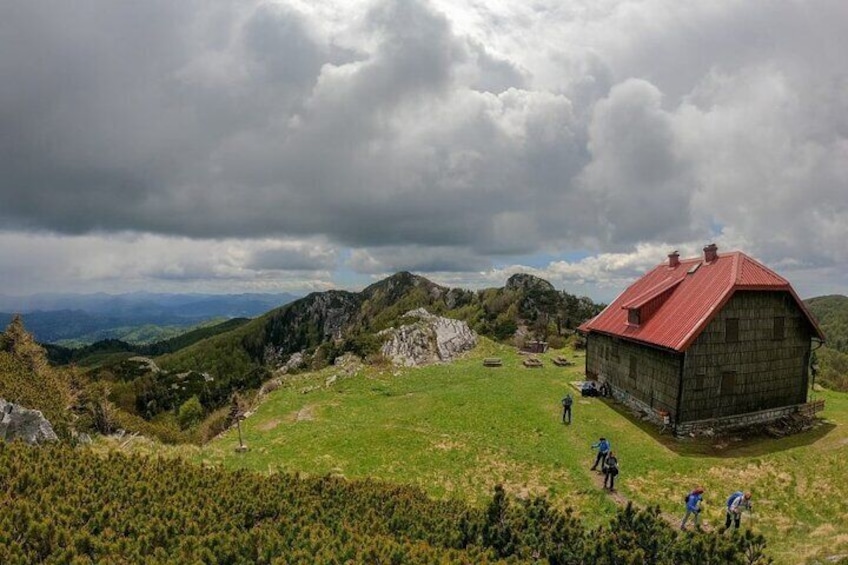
<point>610,467</point>
<point>693,507</point>
<point>603,446</point>
<point>736,502</point>
<point>567,401</point>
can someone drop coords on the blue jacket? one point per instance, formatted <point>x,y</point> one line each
<point>603,446</point>
<point>733,497</point>
<point>737,501</point>
<point>693,500</point>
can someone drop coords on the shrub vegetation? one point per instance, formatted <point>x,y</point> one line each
<point>64,505</point>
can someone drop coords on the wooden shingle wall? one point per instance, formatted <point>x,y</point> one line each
<point>648,374</point>
<point>760,371</point>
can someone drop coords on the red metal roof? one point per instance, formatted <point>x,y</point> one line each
<point>693,293</point>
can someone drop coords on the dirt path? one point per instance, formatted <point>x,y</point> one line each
<point>621,500</point>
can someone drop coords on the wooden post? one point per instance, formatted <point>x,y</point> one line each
<point>238,415</point>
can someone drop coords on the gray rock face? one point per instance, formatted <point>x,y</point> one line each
<point>295,361</point>
<point>526,282</point>
<point>17,422</point>
<point>147,363</point>
<point>430,340</point>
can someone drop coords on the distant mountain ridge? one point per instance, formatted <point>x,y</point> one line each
<point>326,324</point>
<point>89,318</point>
<point>208,365</point>
<point>133,302</point>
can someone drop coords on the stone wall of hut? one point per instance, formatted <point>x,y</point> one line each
<point>759,362</point>
<point>649,376</point>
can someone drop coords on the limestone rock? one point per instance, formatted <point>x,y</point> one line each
<point>432,339</point>
<point>526,282</point>
<point>294,362</point>
<point>349,363</point>
<point>17,422</point>
<point>145,363</point>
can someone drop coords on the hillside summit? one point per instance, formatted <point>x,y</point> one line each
<point>199,374</point>
<point>323,325</point>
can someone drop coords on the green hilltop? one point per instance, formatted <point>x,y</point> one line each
<point>419,451</point>
<point>324,325</point>
<point>831,359</point>
<point>456,430</point>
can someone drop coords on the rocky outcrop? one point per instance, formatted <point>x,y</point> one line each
<point>304,325</point>
<point>145,364</point>
<point>17,422</point>
<point>294,362</point>
<point>526,283</point>
<point>432,339</point>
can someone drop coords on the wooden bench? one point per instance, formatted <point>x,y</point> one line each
<point>492,362</point>
<point>562,362</point>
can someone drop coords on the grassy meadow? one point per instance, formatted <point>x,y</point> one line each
<point>458,429</point>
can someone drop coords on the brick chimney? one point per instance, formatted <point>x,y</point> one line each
<point>673,259</point>
<point>710,253</point>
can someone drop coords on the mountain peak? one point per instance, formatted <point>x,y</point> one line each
<point>525,282</point>
<point>401,282</point>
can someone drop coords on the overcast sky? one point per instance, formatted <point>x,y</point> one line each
<point>235,146</point>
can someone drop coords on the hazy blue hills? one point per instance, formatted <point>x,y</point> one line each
<point>77,319</point>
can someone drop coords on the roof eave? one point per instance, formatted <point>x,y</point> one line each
<point>640,341</point>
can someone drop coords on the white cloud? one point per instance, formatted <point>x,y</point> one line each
<point>438,136</point>
<point>44,262</point>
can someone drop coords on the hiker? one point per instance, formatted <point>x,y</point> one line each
<point>610,467</point>
<point>693,507</point>
<point>736,502</point>
<point>567,401</point>
<point>603,447</point>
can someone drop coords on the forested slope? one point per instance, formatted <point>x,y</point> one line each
<point>831,360</point>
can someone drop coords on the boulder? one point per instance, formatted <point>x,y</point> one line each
<point>432,339</point>
<point>145,363</point>
<point>294,362</point>
<point>17,422</point>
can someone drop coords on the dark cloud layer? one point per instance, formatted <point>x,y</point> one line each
<point>427,135</point>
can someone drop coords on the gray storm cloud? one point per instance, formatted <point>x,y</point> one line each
<point>425,135</point>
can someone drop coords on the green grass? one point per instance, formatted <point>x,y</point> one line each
<point>457,430</point>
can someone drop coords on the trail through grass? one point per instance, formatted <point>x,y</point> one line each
<point>457,430</point>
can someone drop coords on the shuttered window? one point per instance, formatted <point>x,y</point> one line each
<point>779,328</point>
<point>728,382</point>
<point>634,361</point>
<point>731,330</point>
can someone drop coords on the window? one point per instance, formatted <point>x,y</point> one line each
<point>731,330</point>
<point>728,382</point>
<point>633,316</point>
<point>634,361</point>
<point>779,328</point>
<point>699,380</point>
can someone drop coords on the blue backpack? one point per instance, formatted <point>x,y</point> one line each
<point>733,497</point>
